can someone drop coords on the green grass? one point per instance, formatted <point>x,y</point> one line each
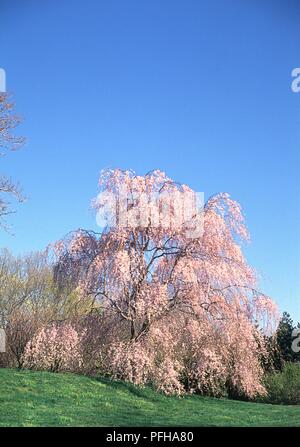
<point>47,399</point>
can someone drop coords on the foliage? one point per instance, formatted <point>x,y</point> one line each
<point>144,301</point>
<point>284,338</point>
<point>184,311</point>
<point>284,387</point>
<point>55,348</point>
<point>19,330</point>
<point>30,300</point>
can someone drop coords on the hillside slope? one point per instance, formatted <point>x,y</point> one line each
<point>47,399</point>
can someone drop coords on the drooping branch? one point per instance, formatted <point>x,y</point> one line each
<point>8,142</point>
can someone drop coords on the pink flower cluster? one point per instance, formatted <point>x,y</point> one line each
<point>54,348</point>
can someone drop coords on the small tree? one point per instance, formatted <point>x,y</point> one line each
<point>284,338</point>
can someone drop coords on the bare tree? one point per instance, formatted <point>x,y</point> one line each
<point>8,142</point>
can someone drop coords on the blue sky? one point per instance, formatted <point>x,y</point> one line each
<point>199,89</point>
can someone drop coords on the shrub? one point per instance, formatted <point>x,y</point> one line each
<point>19,330</point>
<point>284,387</point>
<point>54,348</point>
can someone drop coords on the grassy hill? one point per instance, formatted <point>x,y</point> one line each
<point>46,399</point>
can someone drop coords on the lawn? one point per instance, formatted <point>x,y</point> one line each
<point>47,399</point>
